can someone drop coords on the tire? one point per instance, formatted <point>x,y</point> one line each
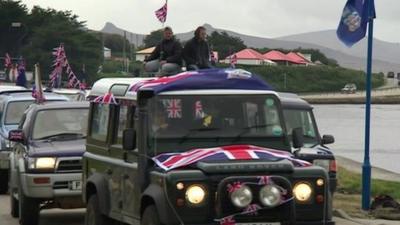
<point>93,214</point>
<point>150,216</point>
<point>28,209</point>
<point>3,181</point>
<point>14,205</point>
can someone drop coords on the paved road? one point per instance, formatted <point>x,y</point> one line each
<point>47,217</point>
<point>76,217</point>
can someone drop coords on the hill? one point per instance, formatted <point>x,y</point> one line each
<point>385,54</point>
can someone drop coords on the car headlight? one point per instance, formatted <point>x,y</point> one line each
<point>270,195</point>
<point>195,194</point>
<point>302,191</point>
<point>242,197</point>
<point>42,163</point>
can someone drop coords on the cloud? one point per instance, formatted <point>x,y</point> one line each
<point>266,18</point>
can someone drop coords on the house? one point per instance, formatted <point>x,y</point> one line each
<point>249,57</point>
<point>298,58</point>
<point>143,54</point>
<point>107,53</point>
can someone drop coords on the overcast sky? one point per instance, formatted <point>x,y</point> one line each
<point>264,18</point>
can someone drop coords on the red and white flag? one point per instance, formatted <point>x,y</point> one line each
<point>37,90</point>
<point>7,61</point>
<point>161,13</point>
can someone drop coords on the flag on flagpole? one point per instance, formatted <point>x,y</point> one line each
<point>37,90</point>
<point>233,60</point>
<point>162,12</point>
<point>354,20</point>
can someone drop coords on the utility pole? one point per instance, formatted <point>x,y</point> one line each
<point>123,53</point>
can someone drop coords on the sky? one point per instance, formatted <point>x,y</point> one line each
<point>263,18</point>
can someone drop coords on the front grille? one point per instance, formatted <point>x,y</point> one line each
<point>69,166</point>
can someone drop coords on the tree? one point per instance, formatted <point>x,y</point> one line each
<point>115,42</point>
<point>225,44</point>
<point>153,38</point>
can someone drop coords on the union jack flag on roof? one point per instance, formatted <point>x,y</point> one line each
<point>205,79</point>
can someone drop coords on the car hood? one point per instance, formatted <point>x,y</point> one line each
<point>57,148</point>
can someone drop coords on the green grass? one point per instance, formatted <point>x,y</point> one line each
<point>351,183</point>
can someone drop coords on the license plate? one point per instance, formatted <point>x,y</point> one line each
<point>266,223</point>
<point>75,185</point>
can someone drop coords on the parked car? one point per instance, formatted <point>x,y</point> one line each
<point>13,102</point>
<point>73,94</point>
<point>136,169</point>
<point>46,162</point>
<point>299,114</point>
<point>349,89</point>
<point>390,74</point>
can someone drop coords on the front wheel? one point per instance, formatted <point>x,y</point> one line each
<point>28,209</point>
<point>150,216</point>
<point>93,214</point>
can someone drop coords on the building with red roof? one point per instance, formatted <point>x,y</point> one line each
<point>298,58</point>
<point>249,56</point>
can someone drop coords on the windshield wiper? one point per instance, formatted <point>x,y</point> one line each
<point>193,131</point>
<point>54,137</point>
<point>247,129</point>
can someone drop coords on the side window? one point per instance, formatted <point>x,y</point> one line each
<point>100,121</point>
<point>122,122</point>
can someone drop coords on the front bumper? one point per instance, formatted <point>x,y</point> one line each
<point>59,185</point>
<point>4,159</point>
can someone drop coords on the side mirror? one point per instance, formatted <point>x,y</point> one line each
<point>327,139</point>
<point>129,139</point>
<point>297,137</point>
<point>16,136</point>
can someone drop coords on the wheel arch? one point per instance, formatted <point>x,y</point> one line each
<point>97,184</point>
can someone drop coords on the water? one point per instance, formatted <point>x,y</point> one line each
<point>347,124</point>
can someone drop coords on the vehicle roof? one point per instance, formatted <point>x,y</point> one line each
<point>5,88</point>
<point>59,105</point>
<point>212,81</point>
<point>20,96</point>
<point>293,101</point>
<point>66,91</point>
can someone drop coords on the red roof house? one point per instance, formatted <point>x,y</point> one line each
<point>250,56</point>
<point>297,58</point>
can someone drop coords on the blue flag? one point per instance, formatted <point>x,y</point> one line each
<point>354,21</point>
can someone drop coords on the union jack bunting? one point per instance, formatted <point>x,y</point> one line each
<point>227,221</point>
<point>61,62</point>
<point>162,12</point>
<point>251,209</point>
<point>169,161</point>
<point>7,61</point>
<point>108,98</point>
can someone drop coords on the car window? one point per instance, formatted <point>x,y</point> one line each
<point>99,123</point>
<point>14,111</point>
<point>122,122</point>
<point>49,123</point>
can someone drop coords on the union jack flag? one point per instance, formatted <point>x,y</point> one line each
<point>199,113</point>
<point>227,221</point>
<point>161,13</point>
<point>7,61</point>
<point>169,161</point>
<point>108,98</point>
<point>174,108</point>
<point>233,60</point>
<point>251,209</point>
<point>37,91</point>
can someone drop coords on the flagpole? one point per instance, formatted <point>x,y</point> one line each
<point>366,167</point>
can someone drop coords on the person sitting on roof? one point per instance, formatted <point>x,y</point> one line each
<point>196,52</point>
<point>166,57</point>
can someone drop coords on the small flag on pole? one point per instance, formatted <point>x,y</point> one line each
<point>353,23</point>
<point>161,13</point>
<point>37,90</point>
<point>233,60</point>
<point>7,61</point>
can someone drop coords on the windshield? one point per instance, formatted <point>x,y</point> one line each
<point>295,118</point>
<point>175,122</point>
<point>14,112</point>
<point>60,122</point>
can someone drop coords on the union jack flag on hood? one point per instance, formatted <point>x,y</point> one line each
<point>205,79</point>
<point>169,161</point>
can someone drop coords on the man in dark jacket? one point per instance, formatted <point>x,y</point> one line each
<point>166,57</point>
<point>196,52</point>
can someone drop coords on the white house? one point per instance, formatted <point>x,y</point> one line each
<point>107,53</point>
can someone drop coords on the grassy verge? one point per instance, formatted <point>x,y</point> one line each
<point>348,196</point>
